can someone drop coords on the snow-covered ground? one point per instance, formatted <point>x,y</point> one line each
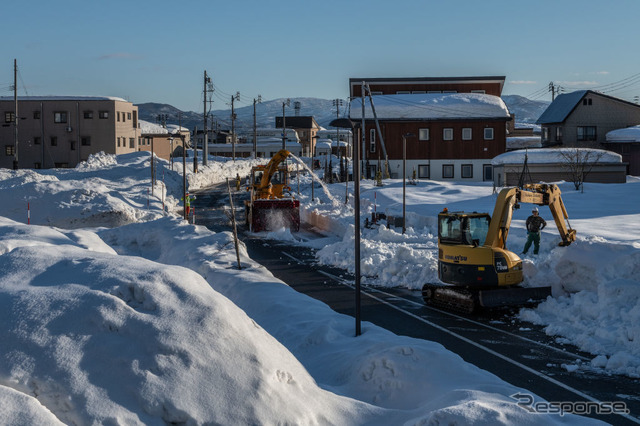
<point>116,313</point>
<point>595,281</point>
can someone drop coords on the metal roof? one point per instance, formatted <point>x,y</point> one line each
<point>561,107</point>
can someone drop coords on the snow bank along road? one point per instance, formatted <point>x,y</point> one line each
<point>519,353</point>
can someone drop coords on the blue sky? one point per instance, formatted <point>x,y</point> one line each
<point>157,51</point>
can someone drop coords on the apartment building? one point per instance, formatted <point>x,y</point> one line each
<point>61,131</point>
<point>443,128</point>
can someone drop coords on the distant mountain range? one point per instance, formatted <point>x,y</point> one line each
<point>323,110</point>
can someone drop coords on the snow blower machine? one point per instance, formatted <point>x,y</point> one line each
<point>474,265</point>
<point>272,205</point>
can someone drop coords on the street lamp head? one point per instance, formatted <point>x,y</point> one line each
<point>342,122</point>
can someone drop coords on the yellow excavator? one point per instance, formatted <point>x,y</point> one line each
<point>473,260</point>
<point>272,204</point>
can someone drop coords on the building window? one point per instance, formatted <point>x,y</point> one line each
<point>587,133</point>
<point>545,134</point>
<point>59,117</point>
<point>37,165</point>
<point>423,134</point>
<point>132,143</point>
<point>72,145</point>
<point>54,141</point>
<point>36,115</point>
<point>447,171</point>
<point>447,134</point>
<point>488,134</point>
<point>103,114</point>
<point>128,116</point>
<point>37,140</point>
<point>9,150</point>
<point>487,172</point>
<point>588,101</point>
<point>466,134</point>
<point>479,91</point>
<point>85,141</point>
<point>88,115</point>
<point>466,171</point>
<point>118,142</point>
<point>423,171</point>
<point>558,134</point>
<point>372,140</point>
<point>9,117</point>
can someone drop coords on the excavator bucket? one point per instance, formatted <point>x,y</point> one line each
<point>269,215</point>
<point>513,296</point>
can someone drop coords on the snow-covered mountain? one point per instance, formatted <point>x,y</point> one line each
<point>323,110</point>
<point>525,110</point>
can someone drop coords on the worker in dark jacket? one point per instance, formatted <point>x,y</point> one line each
<point>535,224</point>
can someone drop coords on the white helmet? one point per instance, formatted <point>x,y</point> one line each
<point>535,210</point>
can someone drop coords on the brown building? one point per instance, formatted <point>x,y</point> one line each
<point>62,131</point>
<point>164,140</point>
<point>306,127</point>
<point>453,127</point>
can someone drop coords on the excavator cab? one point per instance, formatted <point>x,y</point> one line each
<point>465,228</point>
<point>465,259</point>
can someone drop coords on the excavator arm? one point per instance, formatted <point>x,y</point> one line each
<point>539,194</point>
<point>272,167</point>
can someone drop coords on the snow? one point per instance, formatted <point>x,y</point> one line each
<point>626,135</point>
<point>115,312</point>
<point>554,155</point>
<point>431,106</point>
<point>595,284</point>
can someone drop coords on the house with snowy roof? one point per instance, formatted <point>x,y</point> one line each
<point>452,127</point>
<point>584,117</point>
<point>62,131</point>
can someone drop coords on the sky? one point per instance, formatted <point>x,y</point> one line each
<point>158,51</point>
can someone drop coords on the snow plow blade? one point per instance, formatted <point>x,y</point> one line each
<point>513,296</point>
<point>269,215</point>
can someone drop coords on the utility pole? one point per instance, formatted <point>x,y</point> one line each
<point>255,127</point>
<point>205,143</point>
<point>554,89</point>
<point>15,116</point>
<point>235,97</point>
<point>337,103</point>
<point>362,130</point>
<point>284,124</point>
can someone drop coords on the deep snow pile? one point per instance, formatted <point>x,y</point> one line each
<point>130,325</point>
<point>101,338</point>
<point>596,289</point>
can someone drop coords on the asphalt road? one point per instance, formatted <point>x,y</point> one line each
<point>519,353</point>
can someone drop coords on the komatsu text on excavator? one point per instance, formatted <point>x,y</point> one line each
<point>473,259</point>
<point>272,205</point>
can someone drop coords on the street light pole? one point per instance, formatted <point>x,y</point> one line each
<point>404,178</point>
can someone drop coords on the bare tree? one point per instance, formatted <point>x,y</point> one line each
<point>579,162</point>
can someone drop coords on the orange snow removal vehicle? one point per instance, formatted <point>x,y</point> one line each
<point>272,205</point>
